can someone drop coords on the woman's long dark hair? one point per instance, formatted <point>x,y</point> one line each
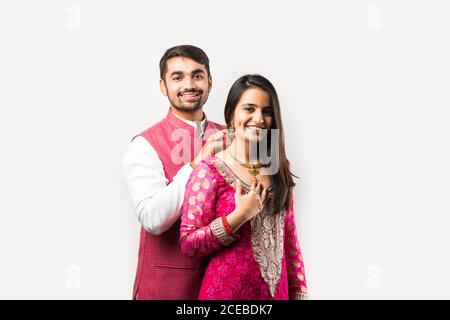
<point>282,181</point>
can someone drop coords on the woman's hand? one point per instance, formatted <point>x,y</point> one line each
<point>250,204</point>
<point>247,205</point>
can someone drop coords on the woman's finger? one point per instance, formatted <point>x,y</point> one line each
<point>263,195</point>
<point>238,188</point>
<point>258,188</point>
<point>253,186</point>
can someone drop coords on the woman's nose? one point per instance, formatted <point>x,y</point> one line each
<point>257,117</point>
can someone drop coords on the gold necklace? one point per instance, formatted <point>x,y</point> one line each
<point>253,168</point>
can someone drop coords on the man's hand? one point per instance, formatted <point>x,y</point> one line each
<point>215,143</point>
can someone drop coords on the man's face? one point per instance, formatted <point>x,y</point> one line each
<point>186,84</point>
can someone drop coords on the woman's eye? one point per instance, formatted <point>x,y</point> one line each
<point>268,112</point>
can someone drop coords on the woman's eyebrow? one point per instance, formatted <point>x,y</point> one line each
<point>255,105</point>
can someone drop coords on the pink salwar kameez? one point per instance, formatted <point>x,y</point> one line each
<point>264,263</point>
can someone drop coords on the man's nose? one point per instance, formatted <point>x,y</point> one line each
<point>188,83</point>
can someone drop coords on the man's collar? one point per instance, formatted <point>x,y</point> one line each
<point>199,125</point>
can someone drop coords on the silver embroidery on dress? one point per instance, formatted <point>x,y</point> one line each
<point>267,235</point>
<point>268,244</point>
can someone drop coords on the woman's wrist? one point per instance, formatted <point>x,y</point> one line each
<point>236,219</point>
<point>227,227</point>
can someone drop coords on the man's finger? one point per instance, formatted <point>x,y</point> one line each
<point>217,136</point>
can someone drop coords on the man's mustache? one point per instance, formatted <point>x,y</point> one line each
<point>191,91</point>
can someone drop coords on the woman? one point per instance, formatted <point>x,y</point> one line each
<point>239,210</point>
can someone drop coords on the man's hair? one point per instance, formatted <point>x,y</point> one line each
<point>188,51</point>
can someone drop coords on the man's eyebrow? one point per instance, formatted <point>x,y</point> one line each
<point>198,71</point>
<point>176,73</point>
<point>179,73</point>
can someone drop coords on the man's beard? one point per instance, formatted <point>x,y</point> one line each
<point>188,106</point>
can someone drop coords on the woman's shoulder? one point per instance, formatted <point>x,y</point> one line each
<point>212,166</point>
<point>206,164</point>
<point>205,168</point>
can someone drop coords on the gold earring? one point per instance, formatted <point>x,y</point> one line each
<point>231,131</point>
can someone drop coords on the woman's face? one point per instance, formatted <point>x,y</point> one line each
<point>253,115</point>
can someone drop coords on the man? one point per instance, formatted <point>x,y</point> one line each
<point>156,168</point>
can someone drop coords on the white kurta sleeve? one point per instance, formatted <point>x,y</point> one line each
<point>156,202</point>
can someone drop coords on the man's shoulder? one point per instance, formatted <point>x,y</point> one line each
<point>152,130</point>
<point>154,127</point>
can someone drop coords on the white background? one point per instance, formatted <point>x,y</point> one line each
<point>364,87</point>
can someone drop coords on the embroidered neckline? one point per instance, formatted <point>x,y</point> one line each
<point>229,175</point>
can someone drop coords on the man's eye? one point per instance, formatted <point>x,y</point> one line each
<point>176,78</point>
<point>198,77</point>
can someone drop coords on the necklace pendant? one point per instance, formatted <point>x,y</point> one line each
<point>253,171</point>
